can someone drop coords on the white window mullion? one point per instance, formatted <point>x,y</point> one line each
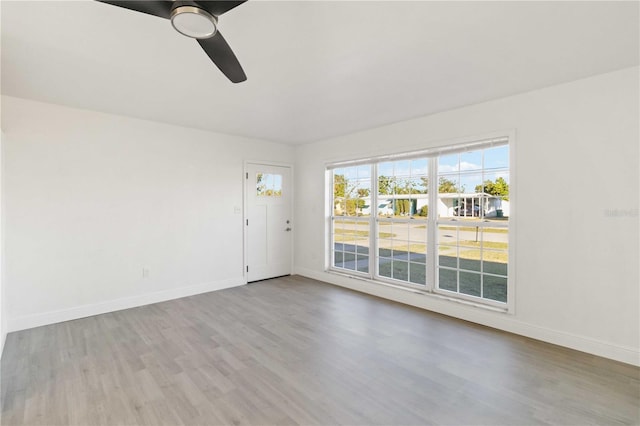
<point>432,217</point>
<point>373,223</point>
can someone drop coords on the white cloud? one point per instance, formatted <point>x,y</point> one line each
<point>462,166</point>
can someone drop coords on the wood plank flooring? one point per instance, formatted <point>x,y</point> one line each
<point>296,351</point>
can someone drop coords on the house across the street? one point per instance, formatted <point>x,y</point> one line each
<point>449,204</point>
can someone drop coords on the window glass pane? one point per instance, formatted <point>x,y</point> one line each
<point>400,270</point>
<point>448,256</point>
<point>495,239</point>
<point>448,234</point>
<point>402,186</point>
<point>402,206</point>
<point>340,230</point>
<point>362,197</point>
<point>350,246</point>
<point>495,254</point>
<point>384,248</point>
<point>494,288</point>
<point>364,171</point>
<point>495,261</point>
<point>417,185</point>
<point>470,283</point>
<point>448,163</point>
<point>419,167</point>
<point>496,158</point>
<point>470,259</point>
<point>268,185</point>
<point>385,229</point>
<point>400,250</point>
<point>448,247</point>
<point>402,168</point>
<point>471,160</point>
<point>384,267</point>
<point>349,261</point>
<point>339,206</point>
<point>344,233</point>
<point>449,184</point>
<point>469,236</point>
<point>496,186</point>
<point>386,170</point>
<point>338,259</point>
<point>267,180</point>
<point>449,198</point>
<point>363,263</point>
<point>447,279</point>
<point>362,229</point>
<point>260,184</point>
<point>277,185</point>
<point>422,208</point>
<point>417,252</point>
<point>385,207</point>
<point>417,273</point>
<point>362,245</point>
<point>472,201</point>
<point>350,173</point>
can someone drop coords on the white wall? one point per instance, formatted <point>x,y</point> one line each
<point>3,311</point>
<point>576,160</point>
<point>3,329</point>
<point>91,199</point>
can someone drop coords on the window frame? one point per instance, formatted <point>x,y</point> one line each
<point>432,222</point>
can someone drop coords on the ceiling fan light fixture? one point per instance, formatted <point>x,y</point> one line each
<point>194,22</point>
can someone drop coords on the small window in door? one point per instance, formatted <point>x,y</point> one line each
<point>268,185</point>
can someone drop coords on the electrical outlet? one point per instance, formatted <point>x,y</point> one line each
<point>145,272</point>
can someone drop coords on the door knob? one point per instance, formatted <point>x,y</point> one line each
<point>288,229</point>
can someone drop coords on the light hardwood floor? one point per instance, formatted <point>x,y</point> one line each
<point>296,351</point>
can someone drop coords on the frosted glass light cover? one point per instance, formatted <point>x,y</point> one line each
<point>194,25</point>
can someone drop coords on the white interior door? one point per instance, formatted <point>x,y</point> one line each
<point>268,221</point>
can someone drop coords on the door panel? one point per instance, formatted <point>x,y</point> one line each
<point>269,226</point>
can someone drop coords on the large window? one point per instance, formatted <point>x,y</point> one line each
<point>435,220</point>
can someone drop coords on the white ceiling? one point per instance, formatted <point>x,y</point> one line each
<point>315,69</point>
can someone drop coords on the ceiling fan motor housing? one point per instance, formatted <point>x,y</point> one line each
<point>194,22</point>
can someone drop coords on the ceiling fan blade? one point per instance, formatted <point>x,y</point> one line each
<point>222,55</point>
<point>219,7</point>
<point>155,8</point>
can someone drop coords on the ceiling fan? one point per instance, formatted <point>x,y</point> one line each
<point>198,20</point>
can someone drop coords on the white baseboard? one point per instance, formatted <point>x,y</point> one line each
<point>83,311</point>
<point>498,320</point>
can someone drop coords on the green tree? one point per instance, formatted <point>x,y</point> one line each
<point>448,186</point>
<point>339,186</point>
<point>498,188</point>
<point>347,197</point>
<point>363,192</point>
<point>401,207</point>
<point>425,184</point>
<point>386,185</point>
